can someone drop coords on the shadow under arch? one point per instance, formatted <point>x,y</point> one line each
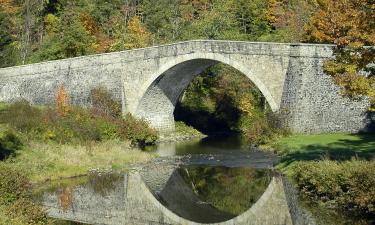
<point>160,93</point>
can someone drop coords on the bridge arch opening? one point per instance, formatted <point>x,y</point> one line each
<point>165,89</point>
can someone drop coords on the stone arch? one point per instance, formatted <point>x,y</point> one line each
<point>161,91</point>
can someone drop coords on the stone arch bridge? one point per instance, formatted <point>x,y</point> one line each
<point>150,81</point>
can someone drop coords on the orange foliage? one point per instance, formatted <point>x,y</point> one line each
<point>7,6</point>
<point>62,101</point>
<point>343,22</point>
<point>89,23</point>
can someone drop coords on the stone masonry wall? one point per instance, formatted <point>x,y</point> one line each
<point>149,81</point>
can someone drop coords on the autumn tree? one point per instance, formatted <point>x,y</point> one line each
<point>62,101</point>
<point>350,25</point>
<point>138,36</point>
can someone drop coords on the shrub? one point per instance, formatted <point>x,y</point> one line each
<point>349,185</point>
<point>103,102</point>
<point>264,129</point>
<point>78,125</point>
<point>13,184</point>
<point>28,211</point>
<point>184,129</point>
<point>9,144</point>
<point>137,131</point>
<point>22,116</point>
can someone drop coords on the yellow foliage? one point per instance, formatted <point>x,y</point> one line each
<point>354,84</point>
<point>51,23</point>
<point>245,104</point>
<point>138,35</point>
<point>62,101</point>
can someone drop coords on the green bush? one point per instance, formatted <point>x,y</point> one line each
<point>264,129</point>
<point>15,198</point>
<point>183,129</point>
<point>137,131</point>
<point>9,144</point>
<point>103,102</point>
<point>349,185</point>
<point>79,125</point>
<point>28,212</point>
<point>14,184</point>
<point>22,116</point>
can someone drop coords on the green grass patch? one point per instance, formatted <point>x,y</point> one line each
<point>183,129</point>
<point>325,146</point>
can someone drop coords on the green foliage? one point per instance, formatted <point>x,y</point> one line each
<point>9,144</point>
<point>28,212</point>
<point>138,131</point>
<point>264,129</point>
<point>14,184</point>
<point>185,130</point>
<point>22,116</point>
<point>349,185</point>
<point>103,102</point>
<point>15,198</point>
<point>232,190</point>
<point>79,125</point>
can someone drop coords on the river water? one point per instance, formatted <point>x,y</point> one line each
<point>218,179</point>
<point>207,181</point>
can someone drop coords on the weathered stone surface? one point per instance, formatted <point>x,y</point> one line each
<point>149,81</point>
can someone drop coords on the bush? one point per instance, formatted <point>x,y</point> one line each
<point>183,129</point>
<point>13,184</point>
<point>76,125</point>
<point>137,131</point>
<point>103,102</point>
<point>28,211</point>
<point>15,198</point>
<point>9,144</point>
<point>22,116</point>
<point>264,129</point>
<point>349,185</point>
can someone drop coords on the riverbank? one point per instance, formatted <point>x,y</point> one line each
<point>182,132</point>
<point>51,161</point>
<point>334,173</point>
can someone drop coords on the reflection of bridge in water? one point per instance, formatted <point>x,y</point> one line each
<point>159,195</point>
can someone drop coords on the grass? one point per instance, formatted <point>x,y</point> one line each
<point>325,146</point>
<point>51,161</point>
<point>332,171</point>
<point>182,132</point>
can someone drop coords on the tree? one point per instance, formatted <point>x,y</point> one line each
<point>350,25</point>
<point>138,36</point>
<point>62,101</point>
<point>10,43</point>
<point>72,36</point>
<point>162,19</point>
